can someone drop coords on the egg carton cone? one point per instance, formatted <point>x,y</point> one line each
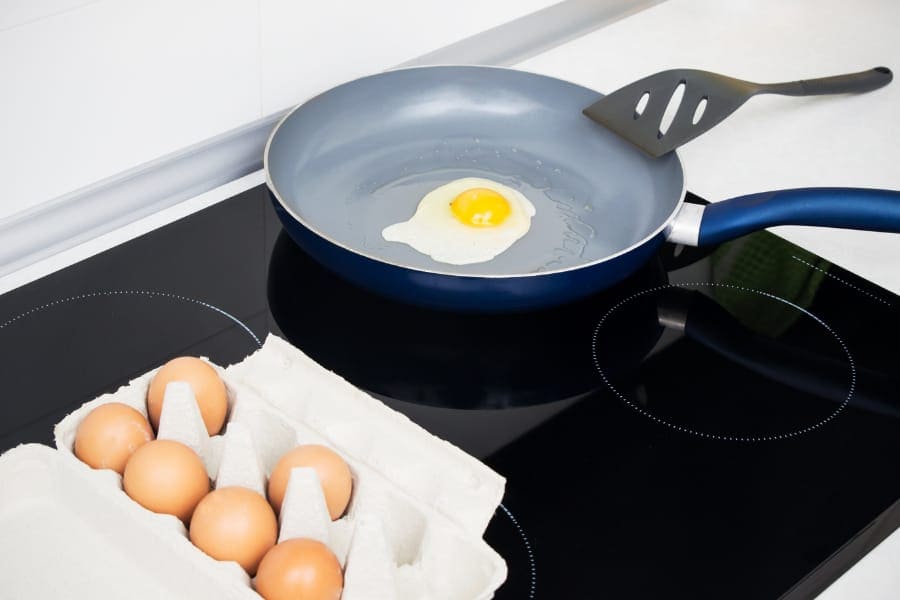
<point>238,462</point>
<point>369,574</point>
<point>304,513</point>
<point>417,512</point>
<point>180,418</point>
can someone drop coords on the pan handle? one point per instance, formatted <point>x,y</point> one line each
<point>848,208</point>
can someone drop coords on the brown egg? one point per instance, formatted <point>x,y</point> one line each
<point>166,477</point>
<point>235,523</point>
<point>300,569</point>
<point>109,434</point>
<point>209,389</point>
<point>333,472</point>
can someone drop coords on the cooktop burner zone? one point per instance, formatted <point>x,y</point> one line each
<point>724,423</point>
<point>816,379</point>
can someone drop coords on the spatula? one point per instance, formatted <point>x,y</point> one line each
<point>642,112</point>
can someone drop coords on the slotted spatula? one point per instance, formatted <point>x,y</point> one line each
<point>636,111</point>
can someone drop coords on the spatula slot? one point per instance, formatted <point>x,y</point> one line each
<point>698,112</point>
<point>641,104</point>
<point>671,109</point>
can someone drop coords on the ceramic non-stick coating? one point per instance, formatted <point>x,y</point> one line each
<point>360,157</point>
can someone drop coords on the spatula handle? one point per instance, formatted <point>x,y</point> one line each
<point>864,81</point>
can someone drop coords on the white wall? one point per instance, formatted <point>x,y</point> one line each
<point>92,88</point>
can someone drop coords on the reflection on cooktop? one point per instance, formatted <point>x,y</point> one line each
<point>438,358</point>
<point>774,390</point>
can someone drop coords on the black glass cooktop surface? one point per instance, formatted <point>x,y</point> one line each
<point>723,424</point>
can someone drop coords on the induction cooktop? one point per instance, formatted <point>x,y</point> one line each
<point>723,424</point>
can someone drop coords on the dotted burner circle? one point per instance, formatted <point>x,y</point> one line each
<point>725,362</point>
<point>532,589</point>
<point>127,293</point>
<point>507,536</point>
<point>62,353</point>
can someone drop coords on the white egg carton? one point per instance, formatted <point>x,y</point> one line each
<point>413,529</point>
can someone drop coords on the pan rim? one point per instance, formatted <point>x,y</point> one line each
<point>661,229</point>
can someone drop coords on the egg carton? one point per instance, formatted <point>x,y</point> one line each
<point>413,528</point>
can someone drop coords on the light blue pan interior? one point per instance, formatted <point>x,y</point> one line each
<point>361,156</point>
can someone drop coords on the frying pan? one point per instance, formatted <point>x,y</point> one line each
<point>359,157</point>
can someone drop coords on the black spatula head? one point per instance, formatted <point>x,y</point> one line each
<point>668,109</point>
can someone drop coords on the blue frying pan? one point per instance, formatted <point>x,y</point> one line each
<point>359,157</point>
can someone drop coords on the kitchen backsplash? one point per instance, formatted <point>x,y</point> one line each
<point>95,88</point>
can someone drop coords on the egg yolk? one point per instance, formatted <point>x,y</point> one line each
<point>480,207</point>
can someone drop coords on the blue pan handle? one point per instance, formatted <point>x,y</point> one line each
<point>849,208</point>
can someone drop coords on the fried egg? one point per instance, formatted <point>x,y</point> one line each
<point>466,221</point>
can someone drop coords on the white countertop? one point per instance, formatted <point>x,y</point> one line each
<point>772,142</point>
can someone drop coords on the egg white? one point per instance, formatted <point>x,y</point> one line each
<point>435,231</point>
